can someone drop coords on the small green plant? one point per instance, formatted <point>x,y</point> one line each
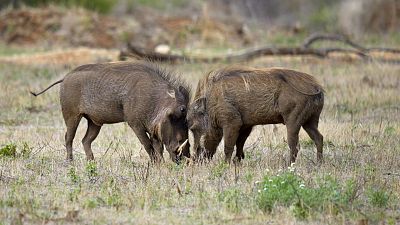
<point>92,203</point>
<point>249,176</point>
<point>74,192</point>
<point>176,167</point>
<point>378,198</point>
<point>91,170</point>
<point>278,189</point>
<point>9,150</point>
<point>112,194</point>
<point>389,131</point>
<point>289,190</point>
<point>26,150</point>
<point>219,170</point>
<point>114,199</point>
<point>233,198</point>
<point>73,175</point>
<point>13,150</point>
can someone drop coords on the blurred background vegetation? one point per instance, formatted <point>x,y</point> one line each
<point>102,6</point>
<point>191,24</point>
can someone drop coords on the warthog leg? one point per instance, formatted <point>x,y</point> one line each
<point>91,134</point>
<point>311,127</point>
<point>72,123</point>
<point>210,146</point>
<point>145,141</point>
<point>294,121</point>
<point>158,147</point>
<point>293,140</point>
<point>243,135</point>
<point>231,134</point>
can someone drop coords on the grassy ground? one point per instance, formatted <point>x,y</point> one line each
<point>359,181</point>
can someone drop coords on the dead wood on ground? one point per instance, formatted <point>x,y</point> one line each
<point>306,48</point>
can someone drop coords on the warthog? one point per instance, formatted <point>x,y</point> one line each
<point>229,102</point>
<point>151,100</point>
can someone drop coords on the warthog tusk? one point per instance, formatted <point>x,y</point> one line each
<point>180,149</point>
<point>171,93</point>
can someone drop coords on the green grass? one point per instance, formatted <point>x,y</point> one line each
<point>157,4</point>
<point>102,6</point>
<point>325,196</point>
<point>9,50</point>
<point>360,124</point>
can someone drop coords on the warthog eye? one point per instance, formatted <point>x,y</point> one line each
<point>183,109</point>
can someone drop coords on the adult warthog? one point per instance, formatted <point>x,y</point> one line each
<point>229,102</point>
<point>151,100</point>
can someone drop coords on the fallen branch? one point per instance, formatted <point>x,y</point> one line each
<point>331,37</point>
<point>339,38</point>
<point>306,49</point>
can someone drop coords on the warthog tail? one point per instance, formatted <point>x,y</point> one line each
<point>36,94</point>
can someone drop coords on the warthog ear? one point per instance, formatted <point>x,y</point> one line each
<point>200,104</point>
<point>184,93</point>
<point>171,93</point>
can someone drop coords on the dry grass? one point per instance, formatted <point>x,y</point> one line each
<point>360,123</point>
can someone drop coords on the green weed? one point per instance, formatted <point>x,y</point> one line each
<point>233,198</point>
<point>91,170</point>
<point>26,150</point>
<point>9,150</point>
<point>74,192</point>
<point>95,202</point>
<point>389,130</point>
<point>13,150</point>
<point>73,175</point>
<point>289,190</point>
<point>378,198</point>
<point>113,194</point>
<point>219,170</point>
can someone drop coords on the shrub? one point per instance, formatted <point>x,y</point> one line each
<point>289,190</point>
<point>13,150</point>
<point>378,198</point>
<point>9,150</point>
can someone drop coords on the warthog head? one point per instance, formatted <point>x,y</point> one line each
<point>198,123</point>
<point>171,127</point>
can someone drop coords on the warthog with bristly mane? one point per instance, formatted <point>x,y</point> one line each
<point>230,101</point>
<point>151,100</point>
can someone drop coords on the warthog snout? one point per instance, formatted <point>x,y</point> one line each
<point>180,151</point>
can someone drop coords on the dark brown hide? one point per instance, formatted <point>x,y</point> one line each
<point>149,99</point>
<point>229,102</point>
